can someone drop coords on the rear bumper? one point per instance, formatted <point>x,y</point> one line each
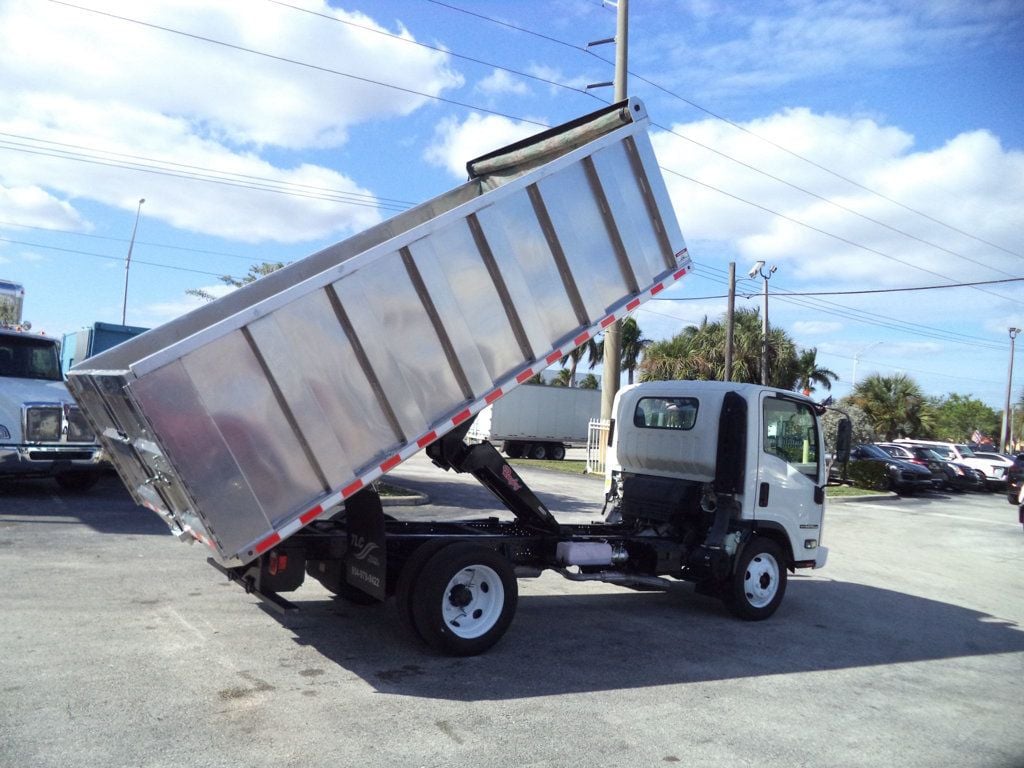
<point>46,460</point>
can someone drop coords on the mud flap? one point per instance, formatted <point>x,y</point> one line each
<point>366,559</point>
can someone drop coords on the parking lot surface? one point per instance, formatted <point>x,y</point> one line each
<point>122,647</point>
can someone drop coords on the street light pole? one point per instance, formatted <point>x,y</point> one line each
<point>758,269</point>
<point>1007,423</point>
<point>128,261</point>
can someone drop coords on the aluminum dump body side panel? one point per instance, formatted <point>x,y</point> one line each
<point>248,418</point>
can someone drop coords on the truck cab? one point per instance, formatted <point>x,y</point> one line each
<point>732,468</point>
<point>42,431</point>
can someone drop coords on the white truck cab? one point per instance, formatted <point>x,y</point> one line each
<point>740,465</point>
<point>42,430</point>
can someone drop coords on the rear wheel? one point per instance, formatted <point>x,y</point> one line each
<point>408,577</point>
<point>556,451</point>
<point>538,451</point>
<point>513,449</point>
<point>464,599</point>
<point>759,582</point>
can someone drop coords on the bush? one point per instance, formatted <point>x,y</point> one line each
<point>868,474</point>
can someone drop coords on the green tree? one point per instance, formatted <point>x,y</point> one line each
<point>256,271</point>
<point>895,405</point>
<point>863,431</point>
<point>6,312</point>
<point>593,349</point>
<point>809,374</point>
<point>698,352</point>
<point>633,345</point>
<point>589,382</point>
<point>957,416</point>
<point>563,378</point>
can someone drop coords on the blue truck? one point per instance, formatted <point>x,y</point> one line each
<point>98,337</point>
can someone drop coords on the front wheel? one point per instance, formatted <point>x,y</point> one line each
<point>464,599</point>
<point>759,582</point>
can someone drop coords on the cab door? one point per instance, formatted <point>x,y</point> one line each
<point>790,486</point>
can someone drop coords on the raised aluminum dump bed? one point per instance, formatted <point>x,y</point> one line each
<point>250,417</point>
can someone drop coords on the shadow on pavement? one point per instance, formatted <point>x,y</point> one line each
<point>597,642</point>
<point>106,508</point>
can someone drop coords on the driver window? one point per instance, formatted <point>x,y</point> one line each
<point>789,432</point>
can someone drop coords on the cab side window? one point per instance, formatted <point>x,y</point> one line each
<point>665,413</point>
<point>789,432</point>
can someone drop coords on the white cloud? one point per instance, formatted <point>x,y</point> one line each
<point>85,95</point>
<point>971,183</point>
<point>456,142</point>
<point>501,82</point>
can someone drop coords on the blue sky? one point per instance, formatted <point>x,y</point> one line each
<point>855,145</point>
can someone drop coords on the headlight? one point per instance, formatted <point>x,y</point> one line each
<point>78,427</point>
<point>43,424</point>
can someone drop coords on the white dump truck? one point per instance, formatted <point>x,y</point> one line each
<point>258,423</point>
<point>538,422</point>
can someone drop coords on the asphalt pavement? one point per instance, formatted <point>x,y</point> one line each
<point>122,647</point>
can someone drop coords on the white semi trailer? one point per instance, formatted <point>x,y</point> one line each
<point>538,422</point>
<point>258,423</point>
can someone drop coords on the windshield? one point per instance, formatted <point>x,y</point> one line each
<point>873,452</point>
<point>965,451</point>
<point>24,357</point>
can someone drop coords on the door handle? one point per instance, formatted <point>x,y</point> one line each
<point>762,496</point>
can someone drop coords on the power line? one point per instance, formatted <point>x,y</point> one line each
<point>297,63</point>
<point>739,127</point>
<point>113,258</point>
<point>862,291</point>
<point>439,49</point>
<point>124,240</point>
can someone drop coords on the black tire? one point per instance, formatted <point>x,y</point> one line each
<point>78,482</point>
<point>556,451</point>
<point>405,586</point>
<point>464,599</point>
<point>759,581</point>
<point>538,451</point>
<point>513,449</point>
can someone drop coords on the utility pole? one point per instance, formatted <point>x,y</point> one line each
<point>128,261</point>
<point>758,269</point>
<point>1004,437</point>
<point>730,317</point>
<point>613,334</point>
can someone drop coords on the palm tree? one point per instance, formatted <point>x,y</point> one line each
<point>633,345</point>
<point>809,373</point>
<point>699,353</point>
<point>895,405</point>
<point>593,349</point>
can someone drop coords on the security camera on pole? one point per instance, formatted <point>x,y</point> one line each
<point>758,269</point>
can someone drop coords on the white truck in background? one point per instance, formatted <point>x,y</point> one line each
<point>257,424</point>
<point>538,422</point>
<point>42,430</point>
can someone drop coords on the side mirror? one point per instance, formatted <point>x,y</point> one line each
<point>844,437</point>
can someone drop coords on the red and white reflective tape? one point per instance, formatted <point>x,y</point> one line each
<point>261,545</point>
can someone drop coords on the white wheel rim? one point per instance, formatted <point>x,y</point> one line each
<point>761,580</point>
<point>473,601</point>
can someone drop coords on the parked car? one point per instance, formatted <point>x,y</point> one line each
<point>904,476</point>
<point>994,471</point>
<point>948,475</point>
<point>1014,479</point>
<point>1001,464</point>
